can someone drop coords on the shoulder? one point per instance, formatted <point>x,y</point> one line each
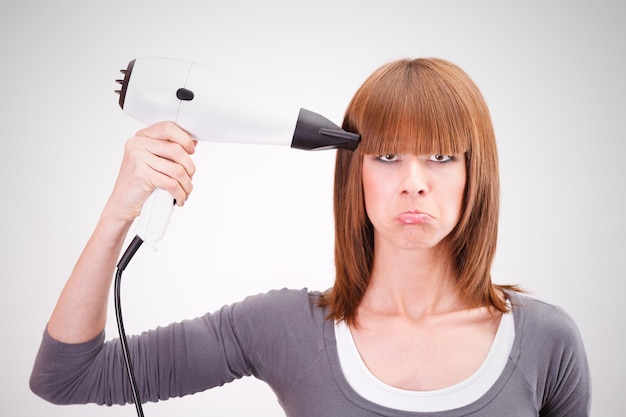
<point>549,352</point>
<point>541,319</point>
<point>547,338</point>
<point>276,313</point>
<point>280,332</point>
<point>291,303</point>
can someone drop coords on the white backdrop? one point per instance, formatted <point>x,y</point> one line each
<point>260,217</point>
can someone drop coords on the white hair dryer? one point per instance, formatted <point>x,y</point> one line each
<point>215,107</point>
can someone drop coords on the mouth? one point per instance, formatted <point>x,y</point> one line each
<point>413,217</point>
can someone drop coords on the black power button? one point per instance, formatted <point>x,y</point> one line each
<point>184,94</point>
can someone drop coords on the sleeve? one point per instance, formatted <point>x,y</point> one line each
<point>176,360</point>
<point>568,387</point>
<point>257,336</point>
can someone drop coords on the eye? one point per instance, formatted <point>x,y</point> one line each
<point>388,157</point>
<point>441,158</point>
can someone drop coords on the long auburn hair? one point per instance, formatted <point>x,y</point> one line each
<point>420,106</point>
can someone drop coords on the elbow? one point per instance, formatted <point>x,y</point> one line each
<point>42,388</point>
<point>50,383</point>
<point>59,372</point>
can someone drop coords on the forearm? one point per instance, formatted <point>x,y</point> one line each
<point>81,310</point>
<point>156,157</point>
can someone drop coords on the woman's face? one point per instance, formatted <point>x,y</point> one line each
<point>413,201</point>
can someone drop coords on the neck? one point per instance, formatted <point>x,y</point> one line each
<point>412,283</point>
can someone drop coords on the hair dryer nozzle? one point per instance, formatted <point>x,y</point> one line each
<point>314,131</point>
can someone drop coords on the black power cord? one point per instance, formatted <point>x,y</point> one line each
<point>121,265</point>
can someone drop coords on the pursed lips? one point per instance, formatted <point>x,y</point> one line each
<point>413,217</point>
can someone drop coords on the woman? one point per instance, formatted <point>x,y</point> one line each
<point>413,325</point>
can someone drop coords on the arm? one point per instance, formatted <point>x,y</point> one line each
<point>156,157</point>
<point>251,337</point>
<point>572,395</point>
<point>568,386</point>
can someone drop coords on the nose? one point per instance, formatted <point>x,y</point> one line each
<point>415,178</point>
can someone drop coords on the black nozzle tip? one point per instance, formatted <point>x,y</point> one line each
<point>340,138</point>
<point>315,132</point>
<point>124,83</point>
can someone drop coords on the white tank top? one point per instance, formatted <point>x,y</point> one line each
<point>465,392</point>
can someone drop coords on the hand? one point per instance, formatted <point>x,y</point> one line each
<point>156,157</point>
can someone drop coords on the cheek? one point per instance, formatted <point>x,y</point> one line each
<point>368,191</point>
<point>458,192</point>
<point>373,193</point>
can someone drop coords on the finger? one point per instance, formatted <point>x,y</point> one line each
<point>172,152</point>
<point>169,176</point>
<point>170,131</point>
<point>143,169</point>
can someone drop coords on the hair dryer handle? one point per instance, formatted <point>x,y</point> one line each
<point>155,217</point>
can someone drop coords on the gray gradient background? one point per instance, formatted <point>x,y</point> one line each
<point>260,218</point>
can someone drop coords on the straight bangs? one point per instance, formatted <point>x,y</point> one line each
<point>407,107</point>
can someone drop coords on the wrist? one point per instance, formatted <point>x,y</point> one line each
<point>116,222</point>
<point>119,213</point>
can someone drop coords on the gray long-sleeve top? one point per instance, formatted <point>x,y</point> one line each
<point>284,339</point>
